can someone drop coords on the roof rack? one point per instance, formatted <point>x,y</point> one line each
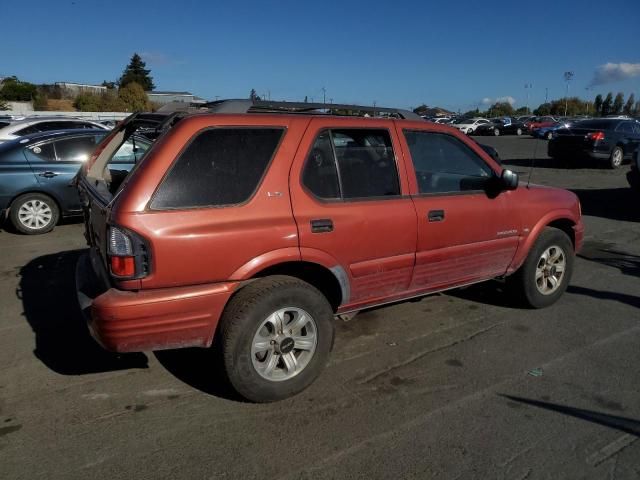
<point>265,106</point>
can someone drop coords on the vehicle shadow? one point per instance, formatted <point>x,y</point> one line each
<point>489,293</point>
<point>604,254</point>
<point>200,368</point>
<point>611,203</point>
<point>63,343</point>
<point>625,298</point>
<point>627,425</point>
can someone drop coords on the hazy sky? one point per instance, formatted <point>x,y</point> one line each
<point>398,53</point>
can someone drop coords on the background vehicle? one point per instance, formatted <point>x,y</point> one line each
<point>633,175</point>
<point>28,126</point>
<point>249,228</point>
<point>501,127</point>
<point>37,171</point>
<point>547,132</point>
<point>539,122</point>
<point>608,140</point>
<point>469,125</point>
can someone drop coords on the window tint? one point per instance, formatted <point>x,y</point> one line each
<point>595,124</point>
<point>40,153</point>
<point>443,164</point>
<point>26,130</point>
<point>320,175</point>
<point>365,160</point>
<point>77,149</point>
<point>221,166</point>
<point>48,126</point>
<point>636,128</point>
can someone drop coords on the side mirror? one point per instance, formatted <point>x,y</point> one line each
<point>509,179</point>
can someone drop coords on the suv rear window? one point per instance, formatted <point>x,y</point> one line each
<point>221,166</point>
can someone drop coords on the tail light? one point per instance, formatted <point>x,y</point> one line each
<point>128,254</point>
<point>595,136</point>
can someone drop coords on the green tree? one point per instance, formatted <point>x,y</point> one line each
<point>136,72</point>
<point>597,105</point>
<point>4,105</point>
<point>41,102</point>
<point>88,102</point>
<point>628,107</point>
<point>134,98</point>
<point>13,90</point>
<point>543,109</point>
<point>618,103</point>
<point>607,104</point>
<point>521,111</point>
<point>636,109</point>
<point>501,109</point>
<point>109,85</point>
<point>254,96</point>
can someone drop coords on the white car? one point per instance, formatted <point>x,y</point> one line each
<point>469,125</point>
<point>27,126</point>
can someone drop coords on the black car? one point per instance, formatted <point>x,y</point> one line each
<point>37,172</point>
<point>604,139</point>
<point>633,175</point>
<point>501,127</point>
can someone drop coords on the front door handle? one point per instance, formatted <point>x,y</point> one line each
<point>48,174</point>
<point>435,215</point>
<point>322,225</point>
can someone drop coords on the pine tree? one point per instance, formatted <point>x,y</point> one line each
<point>597,105</point>
<point>607,104</point>
<point>618,103</point>
<point>628,107</point>
<point>253,95</point>
<point>136,72</point>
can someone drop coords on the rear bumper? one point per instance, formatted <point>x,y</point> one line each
<point>156,319</point>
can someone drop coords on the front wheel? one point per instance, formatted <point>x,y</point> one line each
<point>549,135</point>
<point>34,213</point>
<point>277,333</point>
<point>496,132</point>
<point>519,132</point>
<point>615,159</point>
<point>546,272</point>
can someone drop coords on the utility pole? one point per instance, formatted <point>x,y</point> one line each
<point>324,96</point>
<point>567,78</point>
<point>528,87</point>
<point>546,95</point>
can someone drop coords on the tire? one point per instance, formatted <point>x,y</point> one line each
<point>534,277</point>
<point>616,157</point>
<point>256,357</point>
<point>496,132</point>
<point>34,213</point>
<point>519,132</point>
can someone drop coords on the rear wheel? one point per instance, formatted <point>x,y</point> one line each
<point>546,272</point>
<point>34,213</point>
<point>277,333</point>
<point>496,132</point>
<point>548,135</point>
<point>615,159</point>
<point>519,132</point>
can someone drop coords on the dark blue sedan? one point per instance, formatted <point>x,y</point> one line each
<point>37,172</point>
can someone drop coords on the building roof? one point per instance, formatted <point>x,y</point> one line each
<point>160,92</point>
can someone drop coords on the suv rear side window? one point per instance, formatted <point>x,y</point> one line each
<point>366,165</point>
<point>443,164</point>
<point>221,166</point>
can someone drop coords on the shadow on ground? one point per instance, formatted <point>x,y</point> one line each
<point>627,425</point>
<point>200,368</point>
<point>611,203</point>
<point>607,254</point>
<point>625,298</point>
<point>489,293</point>
<point>63,343</point>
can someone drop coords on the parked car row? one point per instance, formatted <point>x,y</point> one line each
<point>19,128</point>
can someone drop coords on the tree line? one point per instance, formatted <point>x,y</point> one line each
<point>126,94</point>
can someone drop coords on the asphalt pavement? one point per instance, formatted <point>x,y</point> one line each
<point>463,385</point>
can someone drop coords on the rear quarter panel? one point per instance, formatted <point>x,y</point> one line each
<point>205,245</point>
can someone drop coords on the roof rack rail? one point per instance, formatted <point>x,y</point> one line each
<point>265,106</point>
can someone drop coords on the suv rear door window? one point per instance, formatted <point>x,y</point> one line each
<point>443,164</point>
<point>366,165</point>
<point>221,166</point>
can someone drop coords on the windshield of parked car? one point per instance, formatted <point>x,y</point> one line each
<point>463,120</point>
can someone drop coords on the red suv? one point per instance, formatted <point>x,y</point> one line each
<point>258,227</point>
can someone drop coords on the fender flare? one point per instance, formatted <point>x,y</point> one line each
<point>525,245</point>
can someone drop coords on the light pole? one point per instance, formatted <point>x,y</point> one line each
<point>324,96</point>
<point>528,87</point>
<point>567,78</point>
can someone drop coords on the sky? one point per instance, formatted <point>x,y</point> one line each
<point>455,54</point>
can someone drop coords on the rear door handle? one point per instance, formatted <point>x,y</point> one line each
<point>435,215</point>
<point>322,225</point>
<point>48,174</point>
